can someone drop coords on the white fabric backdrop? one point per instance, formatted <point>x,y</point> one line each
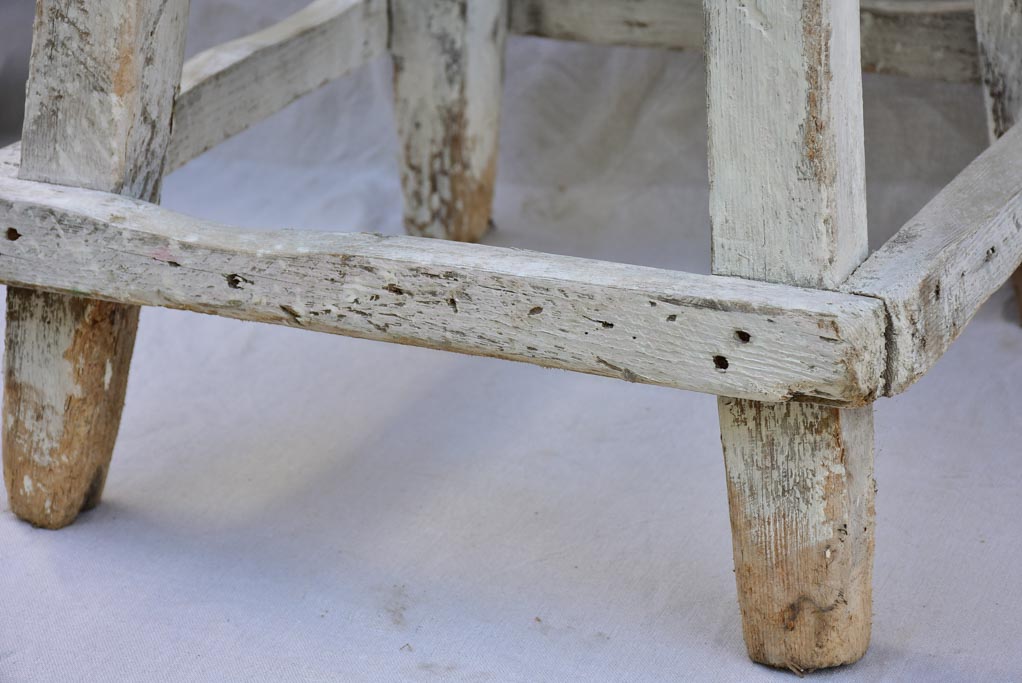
<point>290,506</point>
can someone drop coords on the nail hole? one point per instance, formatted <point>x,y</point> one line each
<point>720,362</point>
<point>743,336</point>
<point>12,234</point>
<point>234,281</point>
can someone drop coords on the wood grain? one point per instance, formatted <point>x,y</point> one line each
<point>703,333</point>
<point>999,37</point>
<point>232,86</point>
<point>448,76</point>
<point>941,266</point>
<point>101,89</point>
<point>787,204</point>
<point>919,38</point>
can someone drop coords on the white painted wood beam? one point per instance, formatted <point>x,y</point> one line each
<point>923,39</point>
<point>787,204</point>
<point>703,333</point>
<point>232,86</point>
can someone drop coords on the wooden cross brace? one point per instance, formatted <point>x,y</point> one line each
<point>798,330</point>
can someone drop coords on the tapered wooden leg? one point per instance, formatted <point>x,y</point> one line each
<point>800,491</point>
<point>999,34</point>
<point>448,75</point>
<point>787,205</point>
<point>101,88</point>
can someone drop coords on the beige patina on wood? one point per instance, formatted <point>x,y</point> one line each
<point>918,38</point>
<point>790,207</point>
<point>100,95</point>
<point>999,37</point>
<point>639,324</point>
<point>794,331</point>
<point>448,76</point>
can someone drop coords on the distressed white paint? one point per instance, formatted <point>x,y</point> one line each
<point>786,178</point>
<point>651,23</point>
<point>448,77</point>
<point>228,88</point>
<point>87,121</point>
<point>51,375</point>
<point>937,271</point>
<point>787,204</point>
<point>636,323</point>
<point>920,38</point>
<point>102,82</point>
<point>999,38</point>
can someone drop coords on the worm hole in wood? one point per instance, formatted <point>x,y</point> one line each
<point>743,336</point>
<point>720,362</point>
<point>12,234</point>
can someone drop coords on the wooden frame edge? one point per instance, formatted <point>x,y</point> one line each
<point>934,39</point>
<point>703,333</point>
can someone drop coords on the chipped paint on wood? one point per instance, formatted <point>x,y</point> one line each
<point>918,38</point>
<point>649,23</point>
<point>704,333</point>
<point>948,259</point>
<point>448,75</point>
<point>787,204</point>
<point>232,86</point>
<point>800,491</point>
<point>999,36</point>
<point>101,89</point>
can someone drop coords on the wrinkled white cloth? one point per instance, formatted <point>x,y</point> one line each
<point>292,506</point>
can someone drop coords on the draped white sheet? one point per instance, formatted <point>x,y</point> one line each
<point>291,506</point>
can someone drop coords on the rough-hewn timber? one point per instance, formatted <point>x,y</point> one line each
<point>787,203</point>
<point>101,89</point>
<point>919,38</point>
<point>704,333</point>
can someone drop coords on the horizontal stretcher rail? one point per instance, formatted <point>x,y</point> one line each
<point>233,86</point>
<point>924,39</point>
<point>718,335</point>
<point>937,271</point>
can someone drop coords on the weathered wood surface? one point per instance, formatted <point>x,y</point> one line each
<point>937,271</point>
<point>787,204</point>
<point>999,37</point>
<point>448,77</point>
<point>768,224</point>
<point>925,39</point>
<point>704,333</point>
<point>232,86</point>
<point>933,39</point>
<point>648,23</point>
<point>100,93</point>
